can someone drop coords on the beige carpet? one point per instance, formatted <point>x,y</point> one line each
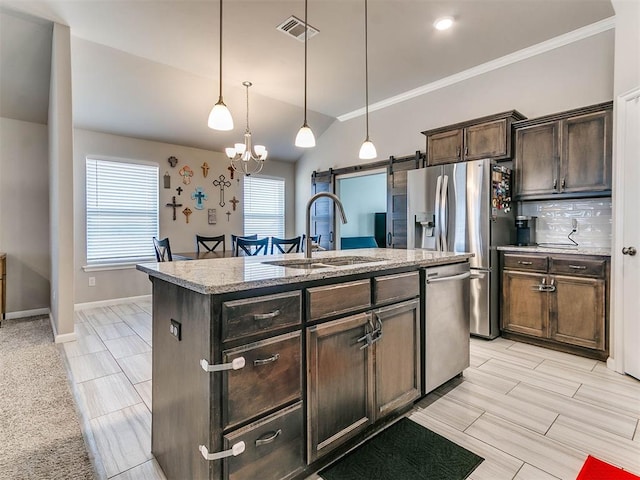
<point>40,435</point>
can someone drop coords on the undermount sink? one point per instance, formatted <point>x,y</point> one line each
<point>313,263</point>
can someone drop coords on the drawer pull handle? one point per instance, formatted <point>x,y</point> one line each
<point>522,262</point>
<point>578,267</point>
<point>264,361</point>
<point>264,440</point>
<point>266,316</point>
<point>236,364</point>
<point>234,451</point>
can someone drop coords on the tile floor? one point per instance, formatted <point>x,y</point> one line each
<point>532,413</point>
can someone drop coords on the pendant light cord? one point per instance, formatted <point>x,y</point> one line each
<point>366,69</point>
<point>220,69</point>
<point>247,84</point>
<point>306,34</point>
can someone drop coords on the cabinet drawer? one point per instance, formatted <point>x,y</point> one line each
<point>396,287</point>
<point>241,318</point>
<point>337,299</point>
<point>536,263</point>
<point>270,378</point>
<point>273,447</point>
<point>575,265</point>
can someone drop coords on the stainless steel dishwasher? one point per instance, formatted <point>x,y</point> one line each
<point>446,315</point>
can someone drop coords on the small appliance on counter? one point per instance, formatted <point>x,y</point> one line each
<point>525,230</point>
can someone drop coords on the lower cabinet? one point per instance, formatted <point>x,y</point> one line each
<point>360,369</point>
<point>558,299</point>
<point>339,382</point>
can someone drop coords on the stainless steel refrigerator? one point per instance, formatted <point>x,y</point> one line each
<point>465,207</point>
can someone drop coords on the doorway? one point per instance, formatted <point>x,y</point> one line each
<point>364,197</point>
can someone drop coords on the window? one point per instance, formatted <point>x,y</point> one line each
<point>122,211</point>
<point>264,206</point>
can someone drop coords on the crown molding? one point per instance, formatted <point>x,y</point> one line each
<point>538,49</point>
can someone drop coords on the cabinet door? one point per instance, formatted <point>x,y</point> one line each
<point>486,140</point>
<point>586,153</point>
<point>444,147</point>
<point>525,309</point>
<point>339,383</point>
<point>397,356</point>
<point>536,162</point>
<point>397,202</point>
<point>578,311</point>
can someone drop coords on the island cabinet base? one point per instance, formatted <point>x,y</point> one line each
<point>277,382</point>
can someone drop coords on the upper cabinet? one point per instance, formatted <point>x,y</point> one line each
<point>567,154</point>
<point>486,137</point>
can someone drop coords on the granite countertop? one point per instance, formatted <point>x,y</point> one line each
<point>569,250</point>
<point>224,275</point>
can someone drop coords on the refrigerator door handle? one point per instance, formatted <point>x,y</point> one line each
<point>438,213</point>
<point>444,214</point>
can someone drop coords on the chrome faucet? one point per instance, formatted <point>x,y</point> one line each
<point>336,200</point>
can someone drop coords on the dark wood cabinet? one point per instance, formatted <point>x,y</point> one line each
<point>564,155</point>
<point>397,198</point>
<point>556,300</point>
<point>486,137</point>
<point>397,357</point>
<point>340,383</point>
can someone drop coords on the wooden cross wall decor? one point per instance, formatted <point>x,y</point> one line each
<point>222,182</point>
<point>174,205</point>
<point>231,170</point>
<point>234,201</point>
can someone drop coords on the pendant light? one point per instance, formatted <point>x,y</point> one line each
<point>305,137</point>
<point>368,149</point>
<point>220,116</point>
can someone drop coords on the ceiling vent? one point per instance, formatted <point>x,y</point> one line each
<point>294,27</point>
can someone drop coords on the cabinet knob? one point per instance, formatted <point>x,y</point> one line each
<point>629,251</point>
<point>389,238</point>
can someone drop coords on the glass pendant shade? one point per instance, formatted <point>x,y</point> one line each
<point>368,150</point>
<point>305,137</point>
<point>220,117</point>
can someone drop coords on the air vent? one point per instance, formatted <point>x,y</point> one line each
<point>295,27</point>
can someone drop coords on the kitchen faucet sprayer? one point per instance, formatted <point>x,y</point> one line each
<point>336,200</point>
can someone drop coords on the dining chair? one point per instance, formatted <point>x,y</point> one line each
<point>210,243</point>
<point>314,239</point>
<point>234,238</point>
<point>286,245</point>
<point>247,246</point>
<point>163,250</point>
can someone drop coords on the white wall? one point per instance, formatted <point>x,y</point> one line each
<point>60,125</point>
<point>113,284</point>
<point>24,216</point>
<point>568,77</point>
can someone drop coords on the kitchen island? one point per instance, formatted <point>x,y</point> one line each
<point>270,367</point>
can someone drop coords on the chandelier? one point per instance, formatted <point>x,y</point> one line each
<point>245,157</point>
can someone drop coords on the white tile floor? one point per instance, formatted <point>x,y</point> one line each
<point>532,413</point>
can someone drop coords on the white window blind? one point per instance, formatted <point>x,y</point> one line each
<point>264,206</point>
<point>122,211</point>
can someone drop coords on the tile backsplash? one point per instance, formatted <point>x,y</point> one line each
<point>553,222</point>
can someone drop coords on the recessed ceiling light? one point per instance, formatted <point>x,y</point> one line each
<point>443,23</point>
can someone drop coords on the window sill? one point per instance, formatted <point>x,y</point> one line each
<point>98,267</point>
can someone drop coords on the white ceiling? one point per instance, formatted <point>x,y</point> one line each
<point>149,68</point>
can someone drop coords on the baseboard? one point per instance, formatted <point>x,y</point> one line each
<point>27,313</point>
<point>61,338</point>
<point>113,301</point>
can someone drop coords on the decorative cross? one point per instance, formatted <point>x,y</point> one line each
<point>234,201</point>
<point>205,169</point>
<point>186,174</point>
<point>221,182</point>
<point>179,190</point>
<point>231,170</point>
<point>199,196</point>
<point>228,215</point>
<point>173,161</point>
<point>187,212</point>
<point>174,205</point>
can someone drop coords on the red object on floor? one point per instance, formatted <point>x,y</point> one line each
<point>594,469</point>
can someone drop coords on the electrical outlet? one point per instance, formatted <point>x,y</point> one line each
<point>176,329</point>
<point>92,281</point>
<point>574,224</point>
